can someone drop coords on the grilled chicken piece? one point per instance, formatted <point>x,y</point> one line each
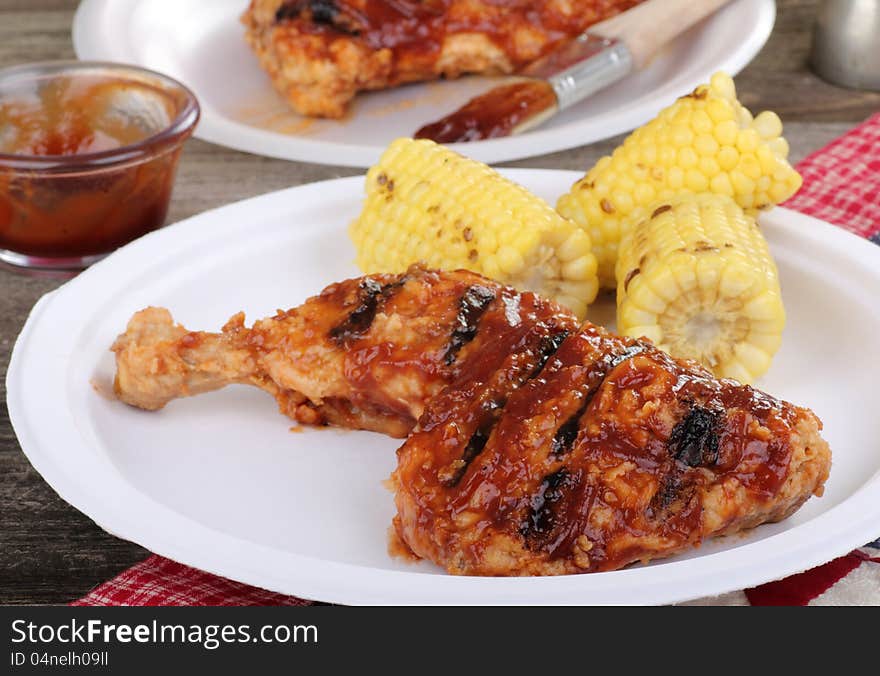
<point>320,53</point>
<point>366,353</point>
<point>541,447</point>
<point>611,453</point>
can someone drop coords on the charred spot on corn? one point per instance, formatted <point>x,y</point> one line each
<point>629,277</point>
<point>386,184</point>
<point>694,440</point>
<point>663,208</point>
<point>700,93</point>
<point>471,307</point>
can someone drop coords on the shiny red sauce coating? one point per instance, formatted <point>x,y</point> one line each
<point>494,114</point>
<point>629,405</point>
<point>417,31</point>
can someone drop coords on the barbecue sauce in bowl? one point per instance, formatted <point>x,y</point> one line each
<point>88,154</point>
<point>74,116</point>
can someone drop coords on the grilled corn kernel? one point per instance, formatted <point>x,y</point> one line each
<point>697,278</point>
<point>706,141</point>
<point>426,203</point>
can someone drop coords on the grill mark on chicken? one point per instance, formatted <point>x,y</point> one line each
<point>544,505</point>
<point>549,346</point>
<point>568,431</point>
<point>472,306</point>
<point>694,440</point>
<point>673,495</point>
<point>491,413</point>
<point>630,352</point>
<point>324,12</point>
<point>288,10</point>
<point>371,295</point>
<point>565,436</point>
<point>666,494</point>
<point>476,443</point>
<point>545,515</point>
<point>320,11</point>
<point>343,20</point>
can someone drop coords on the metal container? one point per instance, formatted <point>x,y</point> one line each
<point>846,43</point>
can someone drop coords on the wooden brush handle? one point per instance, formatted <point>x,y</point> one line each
<point>647,27</point>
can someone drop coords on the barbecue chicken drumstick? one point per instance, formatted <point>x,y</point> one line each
<point>536,446</point>
<point>366,353</point>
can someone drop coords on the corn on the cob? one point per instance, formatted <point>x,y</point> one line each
<point>704,142</point>
<point>427,203</point>
<point>697,278</point>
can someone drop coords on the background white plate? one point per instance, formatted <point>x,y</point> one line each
<point>218,481</point>
<point>202,44</point>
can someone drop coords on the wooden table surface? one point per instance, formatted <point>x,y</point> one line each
<point>49,552</point>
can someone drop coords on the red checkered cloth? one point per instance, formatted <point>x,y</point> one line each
<point>161,582</point>
<point>841,183</point>
<point>842,180</point>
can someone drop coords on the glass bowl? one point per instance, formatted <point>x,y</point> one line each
<point>88,155</point>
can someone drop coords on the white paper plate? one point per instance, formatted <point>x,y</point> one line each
<point>219,482</point>
<point>202,44</point>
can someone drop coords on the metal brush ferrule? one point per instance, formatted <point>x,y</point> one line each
<point>585,66</point>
